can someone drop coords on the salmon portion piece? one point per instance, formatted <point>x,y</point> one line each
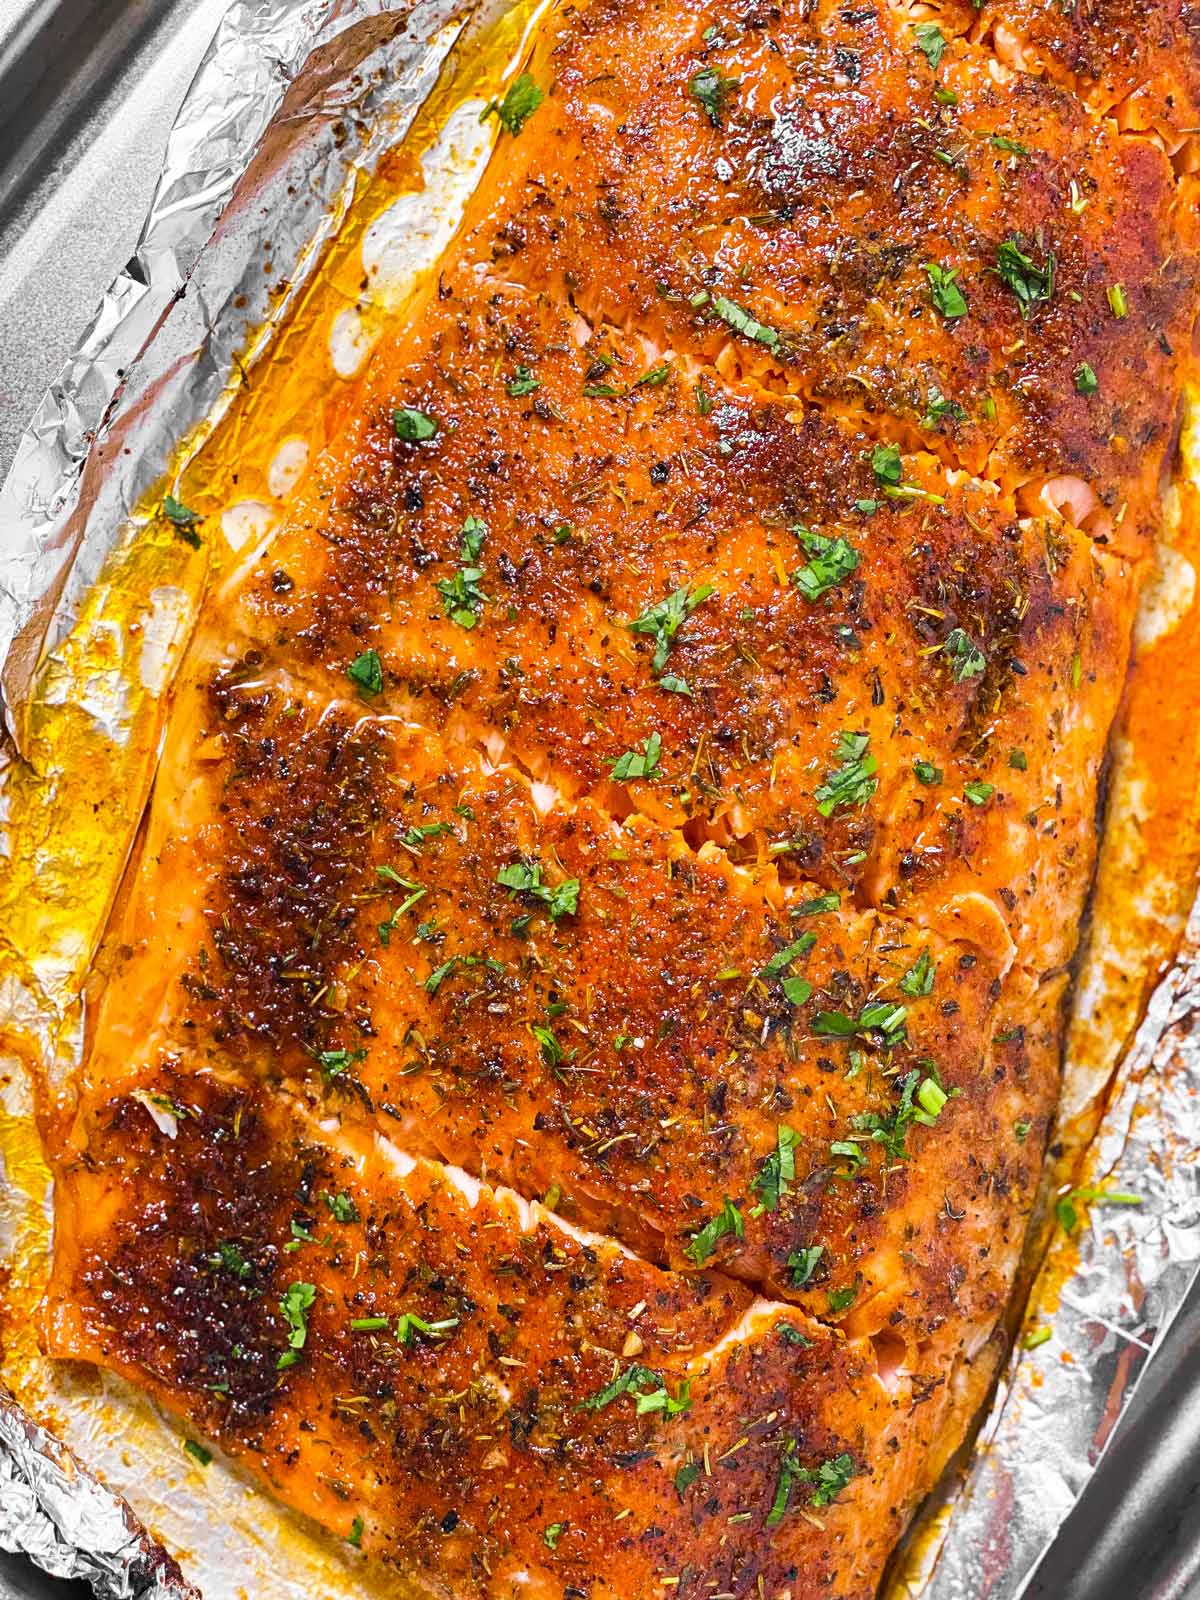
<point>945,629</point>
<point>715,1067</point>
<point>934,248</point>
<point>588,996</point>
<point>1138,63</point>
<point>454,1381</point>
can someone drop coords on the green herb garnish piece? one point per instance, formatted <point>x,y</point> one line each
<point>727,1221</point>
<point>1030,283</point>
<point>636,764</point>
<point>341,1207</point>
<point>931,42</point>
<point>522,383</point>
<point>297,1302</point>
<point>646,1388</point>
<point>886,464</point>
<point>944,292</point>
<point>826,1480</point>
<point>228,1256</point>
<point>741,321</point>
<point>413,426</point>
<point>777,1173</point>
<point>663,620</point>
<point>366,671</point>
<point>803,1263</point>
<point>1067,1206</point>
<point>918,980</point>
<point>853,781</point>
<point>968,660</point>
<point>519,103</point>
<point>830,562</point>
<point>712,89</point>
<point>525,877</point>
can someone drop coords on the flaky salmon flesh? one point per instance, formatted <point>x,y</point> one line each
<point>571,1067</point>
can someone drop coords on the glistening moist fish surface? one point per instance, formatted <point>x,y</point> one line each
<point>579,1037</point>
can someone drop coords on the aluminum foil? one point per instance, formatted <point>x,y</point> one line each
<point>58,1515</point>
<point>293,104</point>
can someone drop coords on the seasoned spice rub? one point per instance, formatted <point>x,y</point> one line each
<point>653,772</point>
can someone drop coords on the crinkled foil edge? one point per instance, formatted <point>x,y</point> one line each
<point>153,368</point>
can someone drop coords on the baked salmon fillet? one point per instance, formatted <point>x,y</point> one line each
<point>570,1070</point>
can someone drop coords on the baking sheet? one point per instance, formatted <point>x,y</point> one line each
<point>76,561</point>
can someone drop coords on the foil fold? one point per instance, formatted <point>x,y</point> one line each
<point>69,1525</point>
<point>292,101</point>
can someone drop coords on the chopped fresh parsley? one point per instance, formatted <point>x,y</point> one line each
<point>853,781</point>
<point>842,1299</point>
<point>777,1173</point>
<point>921,1100</point>
<point>978,792</point>
<point>525,877</point>
<point>663,620</point>
<point>938,408</point>
<point>297,1302</point>
<point>354,1537</point>
<point>228,1256</point>
<point>727,1221</point>
<point>687,1474</point>
<point>968,660</point>
<point>791,1335</point>
<point>712,89</point>
<point>1067,1206</point>
<point>1018,760</point>
<point>931,42</point>
<point>409,1324</point>
<point>655,378</point>
<point>646,1388</point>
<point>341,1207</point>
<point>782,959</point>
<point>889,1021</point>
<point>1118,301</point>
<point>948,299</point>
<point>522,383</point>
<point>519,103</point>
<point>818,906</point>
<point>552,1533</point>
<point>886,464</point>
<point>641,763</point>
<point>197,1452</point>
<point>1086,381</point>
<point>553,1054</point>
<point>413,426</point>
<point>366,671</point>
<point>741,321</point>
<point>416,893</point>
<point>830,561</point>
<point>1030,283</point>
<point>462,597</point>
<point>336,1063</point>
<point>182,519</point>
<point>925,772</point>
<point>918,980</point>
<point>827,1481</point>
<point>803,1263</point>
<point>439,975</point>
